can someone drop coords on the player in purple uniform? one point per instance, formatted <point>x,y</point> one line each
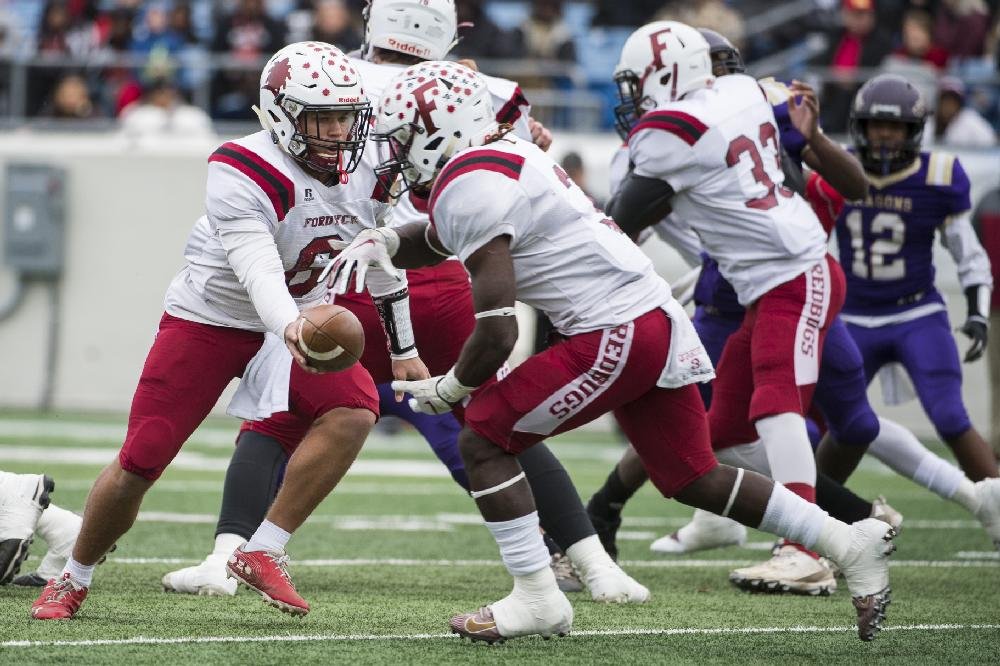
<point>893,310</point>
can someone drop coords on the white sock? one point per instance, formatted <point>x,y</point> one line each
<point>225,544</point>
<point>788,515</point>
<point>268,537</point>
<point>522,548</point>
<point>80,574</point>
<point>789,452</point>
<point>588,555</point>
<point>750,456</point>
<point>899,450</point>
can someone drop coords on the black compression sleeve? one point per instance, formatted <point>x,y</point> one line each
<point>641,202</point>
<point>252,481</point>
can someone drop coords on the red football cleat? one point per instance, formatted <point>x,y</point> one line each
<point>60,600</point>
<point>266,572</point>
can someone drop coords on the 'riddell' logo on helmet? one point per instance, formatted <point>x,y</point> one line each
<point>279,75</point>
<point>412,49</point>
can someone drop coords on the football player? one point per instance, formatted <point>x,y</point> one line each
<point>442,320</point>
<point>275,200</point>
<point>718,314</point>
<point>893,310</point>
<point>776,241</point>
<point>523,229</point>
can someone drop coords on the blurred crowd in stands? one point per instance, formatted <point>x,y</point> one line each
<point>83,59</point>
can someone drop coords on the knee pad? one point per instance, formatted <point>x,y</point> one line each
<point>949,418</point>
<point>859,429</point>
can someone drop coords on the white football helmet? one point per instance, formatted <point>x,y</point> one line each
<point>427,29</point>
<point>660,63</point>
<point>428,113</point>
<point>304,83</point>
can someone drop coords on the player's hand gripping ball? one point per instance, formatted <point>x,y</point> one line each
<point>330,337</point>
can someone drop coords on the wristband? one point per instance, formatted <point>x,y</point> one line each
<point>394,311</point>
<point>451,390</point>
<point>977,299</point>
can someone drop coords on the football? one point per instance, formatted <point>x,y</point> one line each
<point>331,338</point>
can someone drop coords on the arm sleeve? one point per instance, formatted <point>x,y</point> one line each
<point>466,222</point>
<point>960,238</point>
<point>826,202</point>
<point>254,258</point>
<point>245,222</point>
<point>641,202</point>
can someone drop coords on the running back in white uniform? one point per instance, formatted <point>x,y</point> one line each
<point>570,261</point>
<point>254,185</point>
<point>718,149</point>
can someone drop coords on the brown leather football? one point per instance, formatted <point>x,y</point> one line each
<point>330,337</point>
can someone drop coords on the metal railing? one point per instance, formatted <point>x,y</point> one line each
<point>567,103</point>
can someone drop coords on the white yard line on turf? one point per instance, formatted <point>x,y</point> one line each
<point>192,460</point>
<point>475,519</point>
<point>301,638</point>
<point>445,487</point>
<point>634,564</point>
<point>224,438</point>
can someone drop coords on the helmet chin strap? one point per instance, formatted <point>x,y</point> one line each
<point>265,122</point>
<point>341,173</point>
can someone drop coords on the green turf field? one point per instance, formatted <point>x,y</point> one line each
<point>398,548</point>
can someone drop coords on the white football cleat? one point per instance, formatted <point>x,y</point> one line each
<point>516,615</point>
<point>866,569</point>
<point>988,492</point>
<point>23,497</point>
<point>706,530</point>
<point>608,583</point>
<point>210,578</point>
<point>602,576</point>
<point>790,570</point>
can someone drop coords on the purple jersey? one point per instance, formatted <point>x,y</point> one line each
<point>886,241</point>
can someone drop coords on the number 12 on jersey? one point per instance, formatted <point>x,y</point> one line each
<point>875,261</point>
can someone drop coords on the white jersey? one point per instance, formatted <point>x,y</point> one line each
<point>254,185</point>
<point>570,261</point>
<point>718,149</point>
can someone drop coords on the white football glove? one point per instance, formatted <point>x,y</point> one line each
<point>436,395</point>
<point>371,247</point>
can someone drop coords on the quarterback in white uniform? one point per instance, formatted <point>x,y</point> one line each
<point>524,230</point>
<point>275,200</point>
